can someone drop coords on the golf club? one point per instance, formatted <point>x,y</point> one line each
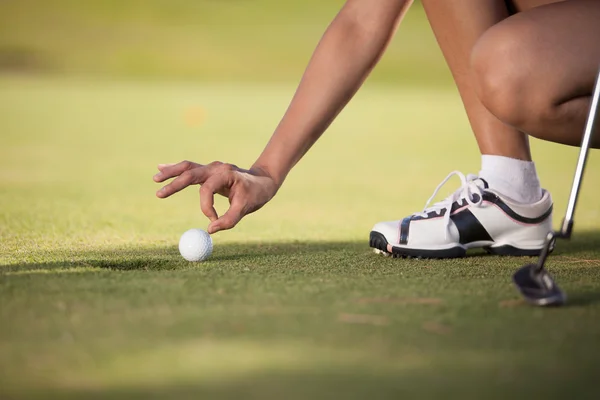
<point>532,280</point>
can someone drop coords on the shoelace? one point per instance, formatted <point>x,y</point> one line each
<point>467,189</point>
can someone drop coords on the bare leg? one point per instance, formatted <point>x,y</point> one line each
<point>535,70</point>
<point>458,25</point>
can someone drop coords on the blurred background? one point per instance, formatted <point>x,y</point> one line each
<point>94,94</point>
<point>100,91</point>
<point>194,40</point>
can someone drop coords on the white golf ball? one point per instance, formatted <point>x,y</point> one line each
<point>195,245</point>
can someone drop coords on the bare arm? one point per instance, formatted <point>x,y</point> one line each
<point>350,48</point>
<point>348,51</point>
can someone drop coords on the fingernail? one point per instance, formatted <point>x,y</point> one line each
<point>157,175</point>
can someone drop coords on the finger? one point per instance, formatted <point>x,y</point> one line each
<point>207,194</point>
<point>168,171</point>
<point>184,180</point>
<point>195,176</point>
<point>234,214</point>
<point>162,166</point>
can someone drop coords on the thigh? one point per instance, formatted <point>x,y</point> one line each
<point>558,46</point>
<point>535,70</point>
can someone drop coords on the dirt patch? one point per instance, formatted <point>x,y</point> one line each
<point>366,319</point>
<point>576,260</point>
<point>436,327</point>
<point>401,300</point>
<point>512,303</point>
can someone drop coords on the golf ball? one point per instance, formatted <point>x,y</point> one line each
<point>195,245</point>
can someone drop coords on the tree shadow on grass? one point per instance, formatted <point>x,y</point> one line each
<point>580,299</point>
<point>168,257</point>
<point>580,242</point>
<point>583,248</point>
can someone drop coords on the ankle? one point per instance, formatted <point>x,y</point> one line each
<point>515,179</point>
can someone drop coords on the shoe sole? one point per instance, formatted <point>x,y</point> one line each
<point>378,242</point>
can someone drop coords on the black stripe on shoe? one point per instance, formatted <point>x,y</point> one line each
<point>494,199</point>
<point>469,228</point>
<point>404,228</point>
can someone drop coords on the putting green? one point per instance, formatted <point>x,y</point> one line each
<point>95,300</point>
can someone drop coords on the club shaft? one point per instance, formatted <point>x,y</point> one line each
<point>583,153</point>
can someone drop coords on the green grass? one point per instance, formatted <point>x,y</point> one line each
<point>201,40</point>
<point>95,301</point>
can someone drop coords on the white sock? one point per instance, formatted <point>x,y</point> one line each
<point>515,179</point>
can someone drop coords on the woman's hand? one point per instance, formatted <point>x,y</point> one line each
<point>247,190</point>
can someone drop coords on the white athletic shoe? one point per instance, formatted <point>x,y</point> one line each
<point>474,216</point>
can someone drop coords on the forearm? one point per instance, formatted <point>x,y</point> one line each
<point>347,53</point>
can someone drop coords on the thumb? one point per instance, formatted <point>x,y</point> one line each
<point>229,219</point>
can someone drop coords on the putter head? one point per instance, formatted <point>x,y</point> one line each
<point>538,287</point>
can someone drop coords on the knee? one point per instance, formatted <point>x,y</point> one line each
<point>503,64</point>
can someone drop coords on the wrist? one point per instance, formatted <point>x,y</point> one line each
<point>267,171</point>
